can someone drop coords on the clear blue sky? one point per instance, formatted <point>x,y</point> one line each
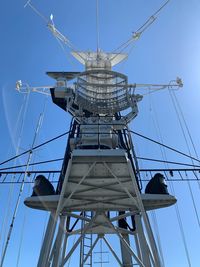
<point>169,48</point>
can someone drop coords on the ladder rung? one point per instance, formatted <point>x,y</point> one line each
<point>87,246</point>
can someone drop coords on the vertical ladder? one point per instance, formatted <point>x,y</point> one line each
<point>86,244</point>
<point>102,260</point>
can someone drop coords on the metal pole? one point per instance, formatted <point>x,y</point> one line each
<point>43,259</point>
<point>142,240</point>
<point>145,217</point>
<point>137,246</point>
<point>126,256</point>
<point>58,243</point>
<point>21,188</point>
<point>44,252</point>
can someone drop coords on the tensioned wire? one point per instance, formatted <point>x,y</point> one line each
<point>157,232</point>
<point>22,230</point>
<point>177,110</point>
<point>6,170</point>
<point>21,116</point>
<point>176,102</point>
<point>155,226</point>
<point>55,32</point>
<point>179,219</point>
<point>133,132</point>
<point>136,35</point>
<point>153,213</point>
<point>183,123</point>
<point>39,125</point>
<point>25,219</point>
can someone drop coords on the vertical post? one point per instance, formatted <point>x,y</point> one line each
<point>46,245</point>
<point>154,250</point>
<point>46,248</point>
<point>58,245</point>
<point>126,256</point>
<point>64,247</point>
<point>144,250</point>
<point>137,246</point>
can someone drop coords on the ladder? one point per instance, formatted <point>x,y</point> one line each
<point>86,244</point>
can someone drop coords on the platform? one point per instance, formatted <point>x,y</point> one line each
<point>150,202</point>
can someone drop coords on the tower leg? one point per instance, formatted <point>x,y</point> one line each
<point>58,243</point>
<point>44,259</point>
<point>126,256</point>
<point>46,245</point>
<point>154,251</point>
<point>143,247</point>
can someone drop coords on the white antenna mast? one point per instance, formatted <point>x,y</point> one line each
<point>136,35</point>
<point>57,34</point>
<point>97,24</point>
<point>50,24</point>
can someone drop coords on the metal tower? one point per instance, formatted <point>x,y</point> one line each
<point>99,191</point>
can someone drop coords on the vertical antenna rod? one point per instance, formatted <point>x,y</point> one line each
<point>21,189</point>
<point>97,24</point>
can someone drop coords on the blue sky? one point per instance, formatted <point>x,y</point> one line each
<point>169,48</point>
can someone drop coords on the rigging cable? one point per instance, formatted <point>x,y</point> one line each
<point>43,162</point>
<point>177,110</point>
<point>167,161</point>
<point>58,35</point>
<point>3,170</point>
<point>153,213</point>
<point>184,121</point>
<point>36,10</point>
<point>21,188</point>
<point>181,125</point>
<point>156,228</point>
<point>173,191</point>
<point>192,196</point>
<point>133,132</point>
<point>35,147</point>
<point>136,35</point>
<point>181,226</point>
<point>180,115</point>
<point>22,231</point>
<point>63,49</point>
<point>163,145</point>
<point>23,113</point>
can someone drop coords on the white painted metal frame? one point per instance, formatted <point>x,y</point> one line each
<point>54,253</point>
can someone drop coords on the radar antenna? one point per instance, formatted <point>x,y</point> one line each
<point>64,40</point>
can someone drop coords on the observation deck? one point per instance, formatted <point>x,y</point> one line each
<point>99,180</point>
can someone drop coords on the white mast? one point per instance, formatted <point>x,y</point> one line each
<point>100,175</point>
<point>100,171</point>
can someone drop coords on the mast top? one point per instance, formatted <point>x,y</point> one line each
<point>99,59</point>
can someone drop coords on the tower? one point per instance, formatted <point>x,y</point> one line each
<point>99,191</point>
